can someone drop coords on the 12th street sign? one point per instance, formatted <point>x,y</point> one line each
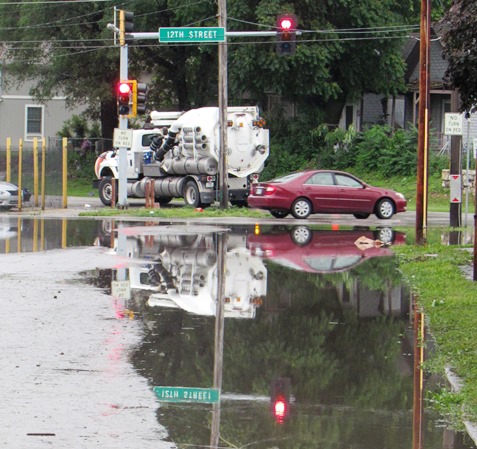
<point>192,34</point>
<point>186,394</point>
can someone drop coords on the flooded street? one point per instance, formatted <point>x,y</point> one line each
<point>123,334</point>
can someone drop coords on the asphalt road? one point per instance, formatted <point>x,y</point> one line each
<point>75,205</point>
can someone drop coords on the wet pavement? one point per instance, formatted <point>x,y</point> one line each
<point>105,320</point>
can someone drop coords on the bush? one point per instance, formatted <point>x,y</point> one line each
<point>376,150</point>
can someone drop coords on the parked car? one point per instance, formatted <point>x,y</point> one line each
<point>9,195</point>
<point>308,192</point>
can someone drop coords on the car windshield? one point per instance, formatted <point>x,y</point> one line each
<point>287,178</point>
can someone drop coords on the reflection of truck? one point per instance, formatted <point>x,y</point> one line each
<point>181,157</point>
<point>180,270</point>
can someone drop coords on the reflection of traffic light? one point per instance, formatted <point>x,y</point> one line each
<point>280,398</point>
<point>286,34</point>
<point>125,97</point>
<point>139,99</point>
<point>126,25</point>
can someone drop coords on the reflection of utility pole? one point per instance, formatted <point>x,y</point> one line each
<point>219,336</point>
<point>418,408</point>
<point>423,128</point>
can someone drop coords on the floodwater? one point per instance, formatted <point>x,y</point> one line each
<point>123,334</point>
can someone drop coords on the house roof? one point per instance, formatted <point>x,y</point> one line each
<point>438,65</point>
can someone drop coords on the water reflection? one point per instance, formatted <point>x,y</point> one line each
<point>238,308</point>
<point>342,339</point>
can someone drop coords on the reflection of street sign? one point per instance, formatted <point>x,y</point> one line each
<point>455,188</point>
<point>453,124</point>
<point>186,394</point>
<point>120,289</point>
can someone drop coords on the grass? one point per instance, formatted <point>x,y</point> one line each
<point>449,301</point>
<point>181,212</point>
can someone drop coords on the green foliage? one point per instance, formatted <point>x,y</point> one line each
<point>376,150</point>
<point>78,126</point>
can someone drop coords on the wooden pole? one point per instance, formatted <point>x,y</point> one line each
<point>423,127</point>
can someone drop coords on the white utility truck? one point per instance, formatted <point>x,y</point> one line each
<point>179,152</point>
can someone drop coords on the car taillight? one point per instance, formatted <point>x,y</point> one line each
<point>270,190</point>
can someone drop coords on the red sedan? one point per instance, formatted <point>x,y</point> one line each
<point>324,191</point>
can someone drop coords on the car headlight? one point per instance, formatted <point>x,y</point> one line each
<point>400,195</point>
<point>3,192</point>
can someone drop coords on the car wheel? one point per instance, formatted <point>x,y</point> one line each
<point>301,235</point>
<point>361,216</point>
<point>386,235</point>
<point>385,209</point>
<point>301,208</point>
<point>106,190</point>
<point>192,194</point>
<point>279,213</point>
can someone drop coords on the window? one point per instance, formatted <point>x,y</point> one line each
<point>321,179</point>
<point>33,122</point>
<point>347,181</point>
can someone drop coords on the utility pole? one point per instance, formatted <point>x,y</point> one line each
<point>455,211</point>
<point>423,127</point>
<point>123,121</point>
<point>223,104</point>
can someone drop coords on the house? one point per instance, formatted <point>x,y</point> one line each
<point>402,111</point>
<point>22,117</point>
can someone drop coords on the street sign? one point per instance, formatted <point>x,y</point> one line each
<point>453,124</point>
<point>455,184</point>
<point>122,138</point>
<point>192,34</point>
<point>186,394</point>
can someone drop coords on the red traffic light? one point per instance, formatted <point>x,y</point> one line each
<point>280,408</point>
<point>124,88</point>
<point>286,23</point>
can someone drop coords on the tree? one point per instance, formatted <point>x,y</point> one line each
<point>355,52</point>
<point>461,51</point>
<point>65,50</point>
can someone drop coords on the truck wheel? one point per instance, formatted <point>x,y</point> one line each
<point>106,190</point>
<point>192,195</point>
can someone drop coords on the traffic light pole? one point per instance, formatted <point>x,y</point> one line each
<point>123,124</point>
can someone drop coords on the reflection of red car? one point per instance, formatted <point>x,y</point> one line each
<point>316,251</point>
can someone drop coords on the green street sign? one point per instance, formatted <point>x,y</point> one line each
<point>192,34</point>
<point>186,394</point>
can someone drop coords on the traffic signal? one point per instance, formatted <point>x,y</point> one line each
<point>139,99</point>
<point>125,97</point>
<point>280,398</point>
<point>286,34</point>
<point>126,25</point>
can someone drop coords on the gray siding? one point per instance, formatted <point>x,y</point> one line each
<point>13,101</point>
